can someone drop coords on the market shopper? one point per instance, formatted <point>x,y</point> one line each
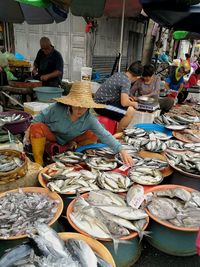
<point>114,92</point>
<point>193,80</point>
<point>48,65</point>
<point>70,120</point>
<point>175,80</point>
<point>149,85</point>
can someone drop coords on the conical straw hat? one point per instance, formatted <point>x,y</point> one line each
<point>80,96</point>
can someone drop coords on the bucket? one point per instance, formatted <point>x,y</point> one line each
<point>127,253</point>
<point>170,239</point>
<point>86,74</point>
<point>20,126</point>
<point>95,245</point>
<point>46,93</point>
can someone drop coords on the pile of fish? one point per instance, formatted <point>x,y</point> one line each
<point>47,249</point>
<point>195,147</point>
<point>184,110</point>
<point>145,175</point>
<point>188,162</point>
<point>106,215</point>
<point>9,162</point>
<point>140,139</point>
<point>177,206</point>
<point>190,135</point>
<point>19,210</point>
<point>178,145</point>
<point>175,144</point>
<point>69,157</point>
<point>148,162</point>
<point>12,118</point>
<point>64,179</point>
<point>175,120</point>
<point>102,152</point>
<point>114,181</point>
<point>4,136</point>
<point>101,163</point>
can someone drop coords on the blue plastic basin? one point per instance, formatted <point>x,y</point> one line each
<point>47,93</point>
<point>154,127</point>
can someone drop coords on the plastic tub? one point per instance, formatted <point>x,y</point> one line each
<point>96,246</point>
<point>128,252</point>
<point>17,127</point>
<point>168,238</point>
<point>47,93</point>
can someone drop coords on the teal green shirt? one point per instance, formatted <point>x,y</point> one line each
<point>58,120</point>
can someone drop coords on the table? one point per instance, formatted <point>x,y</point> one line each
<point>26,93</point>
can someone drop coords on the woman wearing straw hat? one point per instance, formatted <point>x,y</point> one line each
<point>70,120</point>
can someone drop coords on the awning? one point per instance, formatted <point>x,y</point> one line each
<point>182,18</point>
<point>14,12</point>
<point>98,8</point>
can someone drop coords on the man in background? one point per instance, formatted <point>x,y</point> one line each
<point>48,65</point>
<point>114,92</point>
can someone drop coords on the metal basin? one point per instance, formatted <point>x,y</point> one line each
<point>147,100</point>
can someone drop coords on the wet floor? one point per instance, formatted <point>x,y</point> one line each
<point>151,257</point>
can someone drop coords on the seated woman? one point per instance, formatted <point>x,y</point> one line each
<point>149,85</point>
<point>70,120</point>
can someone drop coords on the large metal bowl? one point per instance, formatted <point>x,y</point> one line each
<point>147,100</point>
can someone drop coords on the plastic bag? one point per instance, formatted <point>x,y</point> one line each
<point>9,56</point>
<point>3,60</point>
<point>10,76</point>
<point>37,3</point>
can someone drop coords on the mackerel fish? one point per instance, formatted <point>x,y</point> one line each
<point>145,175</point>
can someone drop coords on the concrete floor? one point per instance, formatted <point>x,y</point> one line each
<point>152,257</point>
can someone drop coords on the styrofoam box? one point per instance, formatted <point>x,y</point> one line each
<point>35,107</point>
<point>144,116</point>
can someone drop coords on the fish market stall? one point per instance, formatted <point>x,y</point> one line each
<point>112,219</point>
<point>175,215</point>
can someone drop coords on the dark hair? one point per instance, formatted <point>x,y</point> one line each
<point>197,71</point>
<point>136,68</point>
<point>187,56</point>
<point>148,71</point>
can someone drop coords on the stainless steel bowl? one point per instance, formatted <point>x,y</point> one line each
<point>147,100</point>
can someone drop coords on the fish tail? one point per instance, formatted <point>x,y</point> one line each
<point>141,234</point>
<point>116,243</point>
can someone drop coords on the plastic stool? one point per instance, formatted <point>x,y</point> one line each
<point>109,124</point>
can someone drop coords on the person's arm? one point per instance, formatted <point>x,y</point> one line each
<point>126,101</point>
<point>108,139</point>
<point>54,74</point>
<point>36,63</point>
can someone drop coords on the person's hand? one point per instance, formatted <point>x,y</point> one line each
<point>34,72</point>
<point>135,105</point>
<point>44,77</point>
<point>126,158</point>
<point>26,140</point>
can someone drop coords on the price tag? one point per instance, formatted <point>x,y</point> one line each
<point>124,167</point>
<point>137,201</point>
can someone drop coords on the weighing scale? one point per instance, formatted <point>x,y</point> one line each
<point>148,107</point>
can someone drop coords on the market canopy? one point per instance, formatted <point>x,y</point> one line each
<point>15,12</point>
<point>98,8</point>
<point>179,17</point>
